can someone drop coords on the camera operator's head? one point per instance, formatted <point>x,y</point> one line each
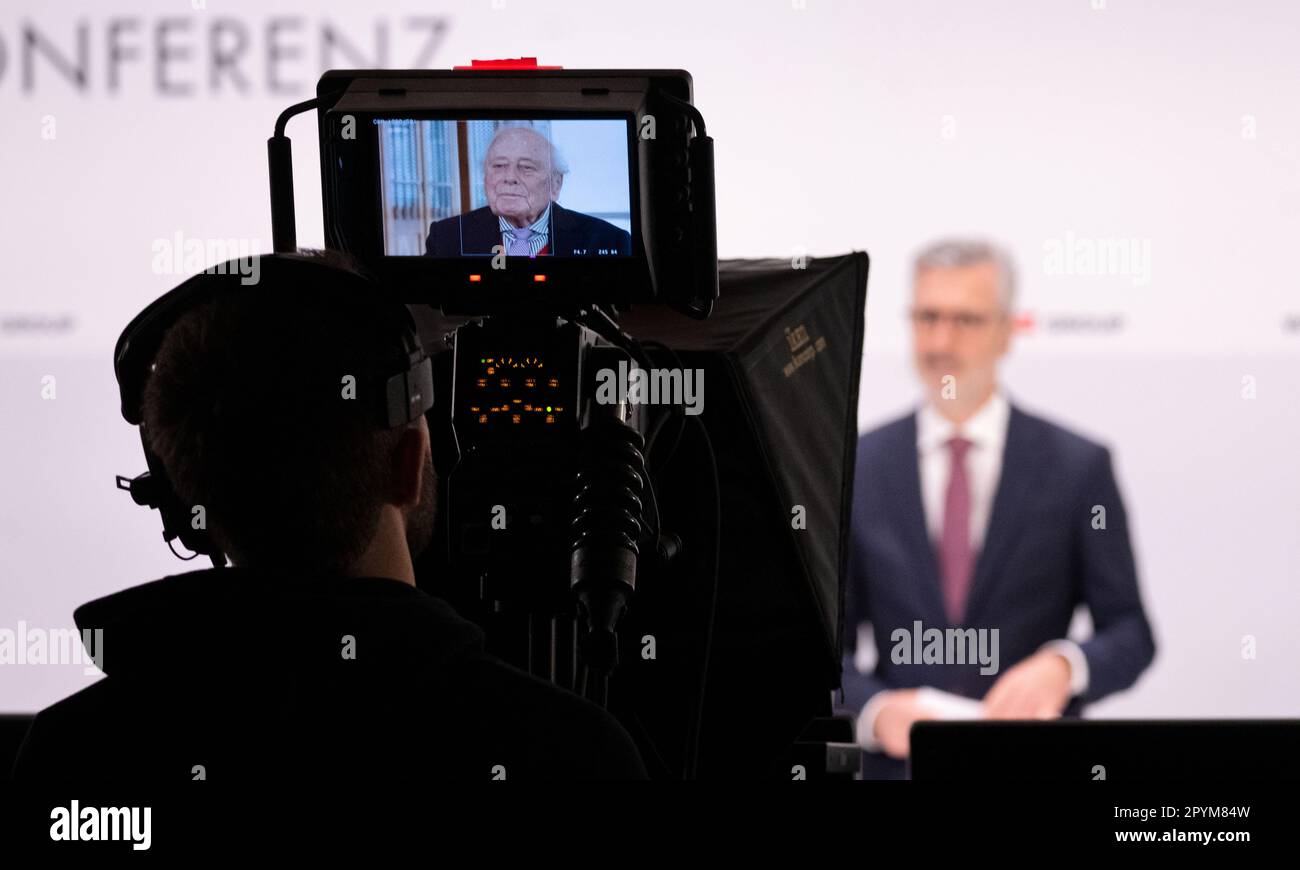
<point>260,407</point>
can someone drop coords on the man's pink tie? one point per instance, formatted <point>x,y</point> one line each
<point>956,556</point>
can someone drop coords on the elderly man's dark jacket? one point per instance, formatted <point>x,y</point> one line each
<point>572,234</point>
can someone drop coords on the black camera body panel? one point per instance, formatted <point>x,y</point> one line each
<point>523,395</point>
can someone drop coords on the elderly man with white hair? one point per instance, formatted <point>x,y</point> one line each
<point>523,173</point>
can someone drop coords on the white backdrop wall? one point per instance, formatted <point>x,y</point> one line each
<point>1139,158</point>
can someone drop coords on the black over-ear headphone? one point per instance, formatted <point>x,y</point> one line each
<point>406,385</point>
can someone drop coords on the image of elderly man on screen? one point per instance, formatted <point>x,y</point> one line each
<point>522,176</point>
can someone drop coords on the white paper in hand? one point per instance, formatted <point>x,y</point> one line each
<point>946,705</point>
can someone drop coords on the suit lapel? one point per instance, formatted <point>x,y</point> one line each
<point>906,488</point>
<point>558,226</point>
<point>482,231</point>
<point>1007,518</point>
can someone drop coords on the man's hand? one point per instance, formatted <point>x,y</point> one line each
<point>894,721</point>
<point>1037,688</point>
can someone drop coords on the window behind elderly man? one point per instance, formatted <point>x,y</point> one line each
<point>314,657</point>
<point>523,174</point>
<point>978,521</point>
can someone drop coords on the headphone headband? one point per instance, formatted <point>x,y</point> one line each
<point>406,388</point>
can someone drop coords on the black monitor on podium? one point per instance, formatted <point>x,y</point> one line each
<point>1062,750</point>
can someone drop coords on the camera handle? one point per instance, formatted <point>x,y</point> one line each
<point>279,171</point>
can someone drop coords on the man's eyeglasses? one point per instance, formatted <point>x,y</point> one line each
<point>969,321</point>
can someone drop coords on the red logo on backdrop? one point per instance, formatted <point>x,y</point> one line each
<point>1024,322</point>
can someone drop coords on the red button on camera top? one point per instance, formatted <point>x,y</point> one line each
<point>507,63</point>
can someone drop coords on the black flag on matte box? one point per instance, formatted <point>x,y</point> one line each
<point>781,356</point>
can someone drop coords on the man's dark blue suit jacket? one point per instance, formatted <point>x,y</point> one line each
<point>1041,557</point>
<point>572,234</point>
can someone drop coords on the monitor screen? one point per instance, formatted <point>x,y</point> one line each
<point>519,188</point>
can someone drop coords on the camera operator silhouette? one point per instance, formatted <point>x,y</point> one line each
<point>314,657</point>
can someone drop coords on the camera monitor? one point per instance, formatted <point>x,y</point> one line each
<point>485,191</point>
<point>532,188</point>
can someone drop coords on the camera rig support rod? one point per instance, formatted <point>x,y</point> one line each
<point>606,527</point>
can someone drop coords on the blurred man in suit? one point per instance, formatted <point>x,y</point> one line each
<point>972,514</point>
<point>522,176</point>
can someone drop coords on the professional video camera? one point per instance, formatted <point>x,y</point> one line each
<point>553,233</point>
<point>422,174</point>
